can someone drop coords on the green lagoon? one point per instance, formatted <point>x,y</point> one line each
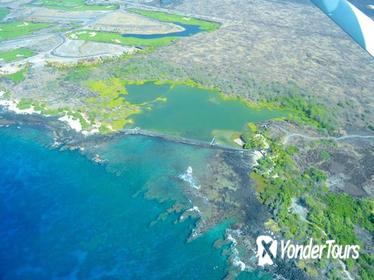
<point>193,112</point>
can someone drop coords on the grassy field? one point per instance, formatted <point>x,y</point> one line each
<point>115,38</point>
<point>11,30</point>
<point>3,13</point>
<point>16,54</point>
<point>18,76</point>
<point>166,17</point>
<point>75,5</point>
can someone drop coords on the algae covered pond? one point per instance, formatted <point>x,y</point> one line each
<point>192,112</point>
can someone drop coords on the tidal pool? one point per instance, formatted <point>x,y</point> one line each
<point>193,112</point>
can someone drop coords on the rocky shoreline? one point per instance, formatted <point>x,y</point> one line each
<point>225,191</point>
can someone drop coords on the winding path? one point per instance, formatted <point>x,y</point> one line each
<point>308,137</point>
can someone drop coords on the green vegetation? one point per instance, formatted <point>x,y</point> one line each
<point>11,30</point>
<point>343,213</point>
<point>116,38</point>
<point>3,13</point>
<point>109,108</point>
<point>26,103</point>
<point>75,5</point>
<point>18,76</point>
<point>108,111</point>
<point>16,54</point>
<point>338,214</point>
<point>280,182</point>
<point>325,155</point>
<point>166,17</point>
<point>79,72</point>
<point>303,108</point>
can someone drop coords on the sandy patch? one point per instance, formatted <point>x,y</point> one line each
<point>81,49</point>
<point>11,105</point>
<point>125,22</point>
<point>73,123</point>
<point>42,14</point>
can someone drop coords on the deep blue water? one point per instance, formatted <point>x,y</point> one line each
<point>64,217</point>
<point>189,30</point>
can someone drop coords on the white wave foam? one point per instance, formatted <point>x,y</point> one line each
<point>232,239</point>
<point>235,257</point>
<point>195,208</point>
<point>188,177</point>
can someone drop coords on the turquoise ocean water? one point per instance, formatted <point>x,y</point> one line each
<point>62,216</point>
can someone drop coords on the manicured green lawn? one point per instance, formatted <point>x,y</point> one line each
<point>75,5</point>
<point>3,13</point>
<point>115,38</point>
<point>166,17</point>
<point>16,54</point>
<point>11,30</point>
